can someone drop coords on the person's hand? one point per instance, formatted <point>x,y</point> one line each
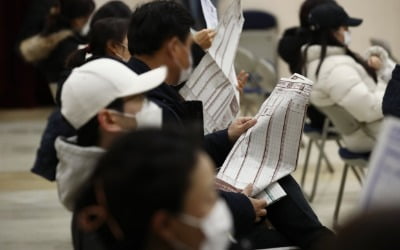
<point>259,205</point>
<point>240,126</point>
<point>375,62</point>
<point>242,78</point>
<point>204,38</point>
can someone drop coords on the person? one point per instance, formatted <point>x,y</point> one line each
<point>100,106</point>
<point>391,102</point>
<point>375,230</point>
<point>292,216</point>
<point>107,40</point>
<point>176,211</point>
<point>341,77</point>
<point>289,49</point>
<point>60,37</point>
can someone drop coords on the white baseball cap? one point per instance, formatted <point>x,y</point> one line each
<point>98,83</point>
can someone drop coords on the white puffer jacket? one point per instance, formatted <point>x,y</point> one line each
<point>344,82</point>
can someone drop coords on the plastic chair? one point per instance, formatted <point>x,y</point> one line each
<point>319,138</point>
<point>260,35</point>
<point>346,124</point>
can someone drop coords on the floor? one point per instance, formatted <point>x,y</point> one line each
<point>32,218</point>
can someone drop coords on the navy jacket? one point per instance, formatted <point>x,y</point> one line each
<point>183,113</point>
<point>391,100</point>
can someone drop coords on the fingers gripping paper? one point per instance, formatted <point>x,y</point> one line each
<point>214,79</point>
<point>269,150</point>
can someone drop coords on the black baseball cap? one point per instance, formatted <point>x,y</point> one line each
<point>331,15</point>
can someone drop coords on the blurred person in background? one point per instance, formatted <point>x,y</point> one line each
<point>107,38</point>
<point>289,49</point>
<point>341,77</point>
<point>376,230</point>
<point>59,38</point>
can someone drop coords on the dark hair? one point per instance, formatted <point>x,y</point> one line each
<point>306,8</point>
<point>67,10</point>
<point>155,22</point>
<point>376,230</point>
<point>88,134</point>
<point>104,30</point>
<point>117,9</point>
<point>143,172</point>
<point>325,38</point>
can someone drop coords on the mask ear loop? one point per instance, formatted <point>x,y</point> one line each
<point>93,217</point>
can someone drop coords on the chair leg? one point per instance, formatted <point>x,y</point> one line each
<point>325,157</point>
<point>316,176</point>
<point>357,174</point>
<point>305,167</point>
<point>340,196</point>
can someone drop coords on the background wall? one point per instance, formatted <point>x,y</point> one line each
<point>381,19</point>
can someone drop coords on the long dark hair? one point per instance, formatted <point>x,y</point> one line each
<point>325,38</point>
<point>103,31</point>
<point>139,178</point>
<point>64,12</point>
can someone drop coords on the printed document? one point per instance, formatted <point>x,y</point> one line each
<point>269,151</point>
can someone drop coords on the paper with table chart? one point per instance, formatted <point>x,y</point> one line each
<point>214,79</point>
<point>210,14</point>
<point>383,182</point>
<point>269,151</point>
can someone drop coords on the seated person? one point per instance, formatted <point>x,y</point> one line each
<point>341,77</point>
<point>159,34</point>
<point>175,204</point>
<point>107,39</point>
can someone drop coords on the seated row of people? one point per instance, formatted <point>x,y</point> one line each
<point>104,98</point>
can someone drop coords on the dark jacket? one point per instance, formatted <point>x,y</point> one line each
<point>391,100</point>
<point>183,113</point>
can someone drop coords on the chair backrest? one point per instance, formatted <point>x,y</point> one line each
<point>260,35</point>
<point>267,75</point>
<point>244,60</point>
<point>343,121</point>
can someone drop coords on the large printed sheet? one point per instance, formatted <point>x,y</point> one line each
<point>269,151</point>
<point>382,187</point>
<point>214,79</point>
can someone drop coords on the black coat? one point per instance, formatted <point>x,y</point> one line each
<point>391,99</point>
<point>183,113</point>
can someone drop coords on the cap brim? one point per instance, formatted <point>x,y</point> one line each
<point>353,22</point>
<point>147,81</point>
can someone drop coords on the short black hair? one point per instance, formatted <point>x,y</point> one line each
<point>154,22</point>
<point>142,172</point>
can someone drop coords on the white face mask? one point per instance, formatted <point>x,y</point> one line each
<point>347,37</point>
<point>217,226</point>
<point>150,116</point>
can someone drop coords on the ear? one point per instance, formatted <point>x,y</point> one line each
<point>108,121</point>
<point>112,47</point>
<point>162,225</point>
<point>173,46</point>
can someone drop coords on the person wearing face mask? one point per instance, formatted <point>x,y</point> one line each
<point>175,211</point>
<point>101,107</point>
<point>107,39</point>
<point>59,38</point>
<point>342,77</point>
<point>159,34</point>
